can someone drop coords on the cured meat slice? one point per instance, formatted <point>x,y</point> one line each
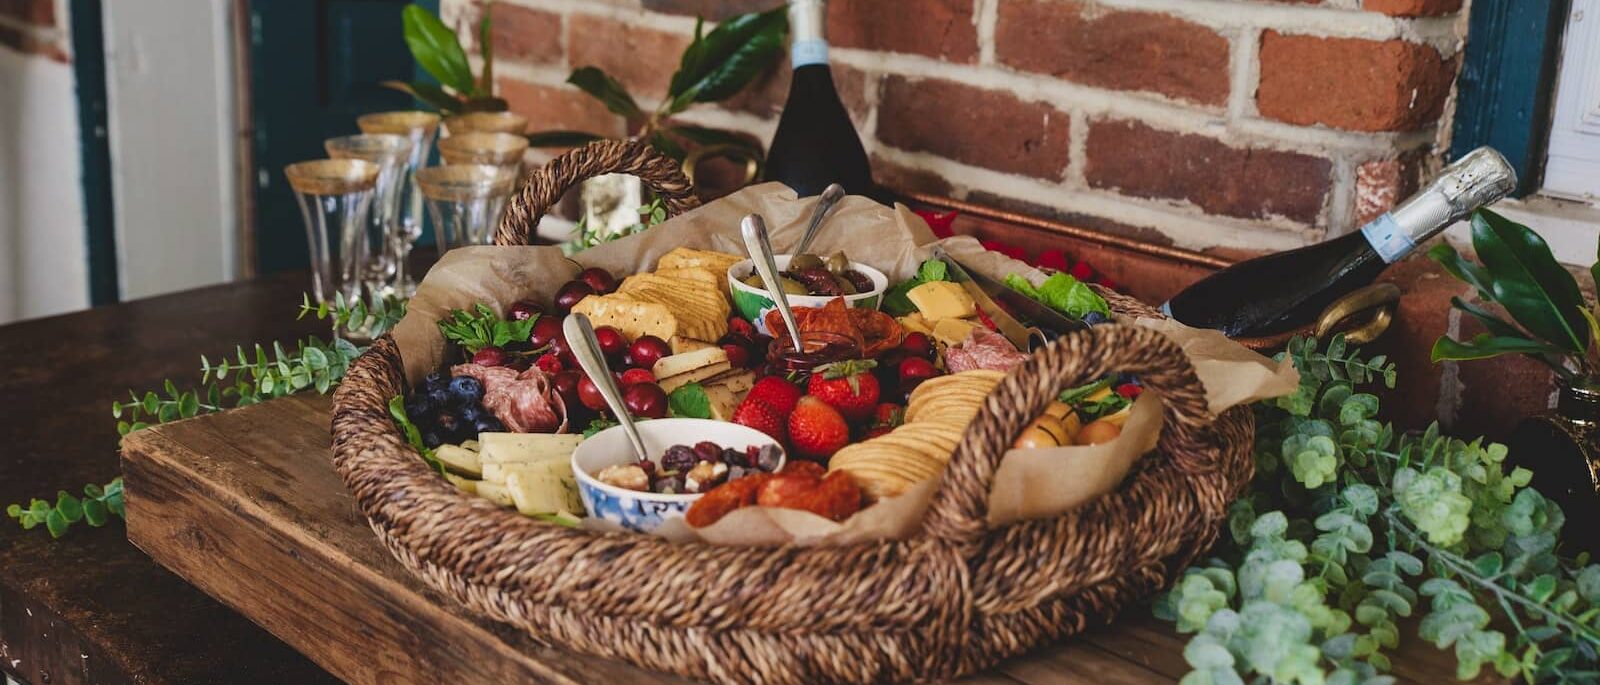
<point>525,402</point>
<point>983,349</point>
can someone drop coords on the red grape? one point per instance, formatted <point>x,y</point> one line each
<point>612,343</point>
<point>570,294</point>
<point>490,356</point>
<point>738,356</point>
<point>589,394</point>
<point>646,351</point>
<point>915,370</point>
<point>917,344</point>
<point>566,385</point>
<point>645,400</point>
<point>635,376</point>
<point>599,279</point>
<point>522,310</point>
<point>546,329</point>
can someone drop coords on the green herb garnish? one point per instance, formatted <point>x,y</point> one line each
<point>895,301</point>
<point>482,328</point>
<point>689,401</point>
<point>98,505</point>
<point>397,411</point>
<point>1062,293</point>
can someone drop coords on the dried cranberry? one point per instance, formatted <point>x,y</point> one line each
<point>861,281</point>
<point>707,450</point>
<point>733,457</point>
<point>648,466</point>
<point>679,458</point>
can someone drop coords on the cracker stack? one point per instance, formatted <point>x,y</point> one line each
<point>937,415</point>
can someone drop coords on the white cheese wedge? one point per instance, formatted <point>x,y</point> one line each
<point>507,448</point>
<point>914,322</point>
<point>497,493</point>
<point>682,345</point>
<point>534,493</point>
<point>671,383</point>
<point>953,331</point>
<point>938,300</point>
<point>465,485</point>
<point>459,459</point>
<point>501,473</point>
<point>723,402</point>
<point>667,367</point>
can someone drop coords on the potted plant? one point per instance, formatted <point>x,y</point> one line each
<point>1551,322</point>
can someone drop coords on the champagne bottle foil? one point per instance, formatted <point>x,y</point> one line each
<point>808,24</point>
<point>1479,178</point>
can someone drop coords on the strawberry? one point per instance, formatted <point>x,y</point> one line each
<point>816,430</point>
<point>775,392</point>
<point>738,326</point>
<point>888,414</point>
<point>847,386</point>
<point>876,431</point>
<point>760,416</point>
<point>635,376</point>
<point>1129,390</point>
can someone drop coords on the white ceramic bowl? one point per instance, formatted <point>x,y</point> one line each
<point>645,511</point>
<point>753,303</point>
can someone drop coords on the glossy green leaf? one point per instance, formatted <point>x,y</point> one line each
<point>437,50</point>
<point>1497,326</point>
<point>607,90</point>
<point>1528,282</point>
<point>1486,346</point>
<point>724,61</point>
<point>1462,268</point>
<point>429,93</point>
<point>562,138</point>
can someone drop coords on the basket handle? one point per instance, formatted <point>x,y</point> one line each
<point>960,508</point>
<point>545,186</point>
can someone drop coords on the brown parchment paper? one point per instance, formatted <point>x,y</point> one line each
<point>1029,483</point>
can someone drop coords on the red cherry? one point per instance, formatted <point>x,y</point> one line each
<point>613,344</point>
<point>646,351</point>
<point>738,356</point>
<point>563,350</point>
<point>599,279</point>
<point>566,385</point>
<point>915,370</point>
<point>589,395</point>
<point>646,400</point>
<point>546,329</point>
<point>635,376</point>
<point>550,363</point>
<point>917,344</point>
<point>490,356</point>
<point>571,294</point>
<point>522,310</point>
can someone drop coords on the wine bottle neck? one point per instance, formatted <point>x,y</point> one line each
<point>808,25</point>
<point>1478,179</point>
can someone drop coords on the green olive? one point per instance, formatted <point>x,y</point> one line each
<point>838,263</point>
<point>845,285</point>
<point>793,287</point>
<point>754,281</point>
<point>803,261</point>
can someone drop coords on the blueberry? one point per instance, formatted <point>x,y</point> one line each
<point>434,380</point>
<point>431,439</point>
<point>418,407</point>
<point>465,390</point>
<point>471,414</point>
<point>447,423</point>
<point>438,397</point>
<point>490,424</point>
<point>1093,318</point>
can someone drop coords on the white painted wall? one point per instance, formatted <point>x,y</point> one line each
<point>43,253</point>
<point>169,81</point>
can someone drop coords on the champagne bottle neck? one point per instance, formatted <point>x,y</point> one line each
<point>1478,179</point>
<point>808,25</point>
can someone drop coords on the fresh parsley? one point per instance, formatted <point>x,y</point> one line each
<point>482,328</point>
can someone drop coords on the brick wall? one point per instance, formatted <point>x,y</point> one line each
<point>34,27</point>
<point>1238,123</point>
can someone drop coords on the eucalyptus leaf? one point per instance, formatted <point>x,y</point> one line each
<point>437,50</point>
<point>1528,282</point>
<point>607,90</point>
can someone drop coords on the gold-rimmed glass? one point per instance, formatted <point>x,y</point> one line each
<point>420,128</point>
<point>391,153</point>
<point>335,196</point>
<point>466,201</point>
<point>488,122</point>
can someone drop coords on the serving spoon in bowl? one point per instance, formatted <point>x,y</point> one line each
<point>831,196</point>
<point>756,242</point>
<point>586,348</point>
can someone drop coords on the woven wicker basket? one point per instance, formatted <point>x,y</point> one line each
<point>954,599</point>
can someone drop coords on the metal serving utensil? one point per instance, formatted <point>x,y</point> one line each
<point>754,229</point>
<point>586,347</point>
<point>831,196</point>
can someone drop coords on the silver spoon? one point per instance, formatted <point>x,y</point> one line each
<point>586,348</point>
<point>831,196</point>
<point>754,229</point>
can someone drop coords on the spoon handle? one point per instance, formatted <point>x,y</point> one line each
<point>831,196</point>
<point>586,348</point>
<point>754,229</point>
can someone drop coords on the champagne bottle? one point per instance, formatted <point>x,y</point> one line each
<point>815,144</point>
<point>1281,291</point>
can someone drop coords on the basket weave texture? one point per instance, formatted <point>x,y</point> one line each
<point>954,599</point>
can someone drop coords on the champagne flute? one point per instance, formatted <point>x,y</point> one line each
<point>419,127</point>
<point>466,201</point>
<point>391,153</point>
<point>335,196</point>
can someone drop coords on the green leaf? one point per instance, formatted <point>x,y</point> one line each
<point>562,138</point>
<point>1485,347</point>
<point>689,401</point>
<point>607,90</point>
<point>1497,326</point>
<point>723,62</point>
<point>1463,269</point>
<point>56,523</point>
<point>1072,297</point>
<point>70,507</point>
<point>437,50</point>
<point>1528,282</point>
<point>428,93</point>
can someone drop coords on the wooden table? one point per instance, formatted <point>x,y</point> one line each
<point>91,608</point>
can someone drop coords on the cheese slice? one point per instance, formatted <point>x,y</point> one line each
<point>535,493</point>
<point>723,402</point>
<point>737,381</point>
<point>468,486</point>
<point>671,383</point>
<point>495,492</point>
<point>459,459</point>
<point>680,344</point>
<point>501,473</point>
<point>953,331</point>
<point>667,367</point>
<point>915,323</point>
<point>506,448</point>
<point>939,300</point>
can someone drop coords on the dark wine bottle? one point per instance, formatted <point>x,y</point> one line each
<point>1281,291</point>
<point>815,144</point>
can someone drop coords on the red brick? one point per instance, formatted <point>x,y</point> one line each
<point>525,35</point>
<point>936,28</point>
<point>559,108</point>
<point>1134,51</point>
<point>1381,183</point>
<point>1136,159</point>
<point>642,59</point>
<point>36,12</point>
<point>766,96</point>
<point>1412,8</point>
<point>908,179</point>
<point>1350,83</point>
<point>988,128</point>
<point>712,10</point>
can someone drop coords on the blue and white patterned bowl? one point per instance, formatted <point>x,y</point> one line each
<point>645,511</point>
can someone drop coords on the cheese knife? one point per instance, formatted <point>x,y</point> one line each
<point>1022,336</point>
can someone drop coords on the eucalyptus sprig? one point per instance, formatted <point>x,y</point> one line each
<point>98,504</point>
<point>370,318</point>
<point>314,364</point>
<point>1349,529</point>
